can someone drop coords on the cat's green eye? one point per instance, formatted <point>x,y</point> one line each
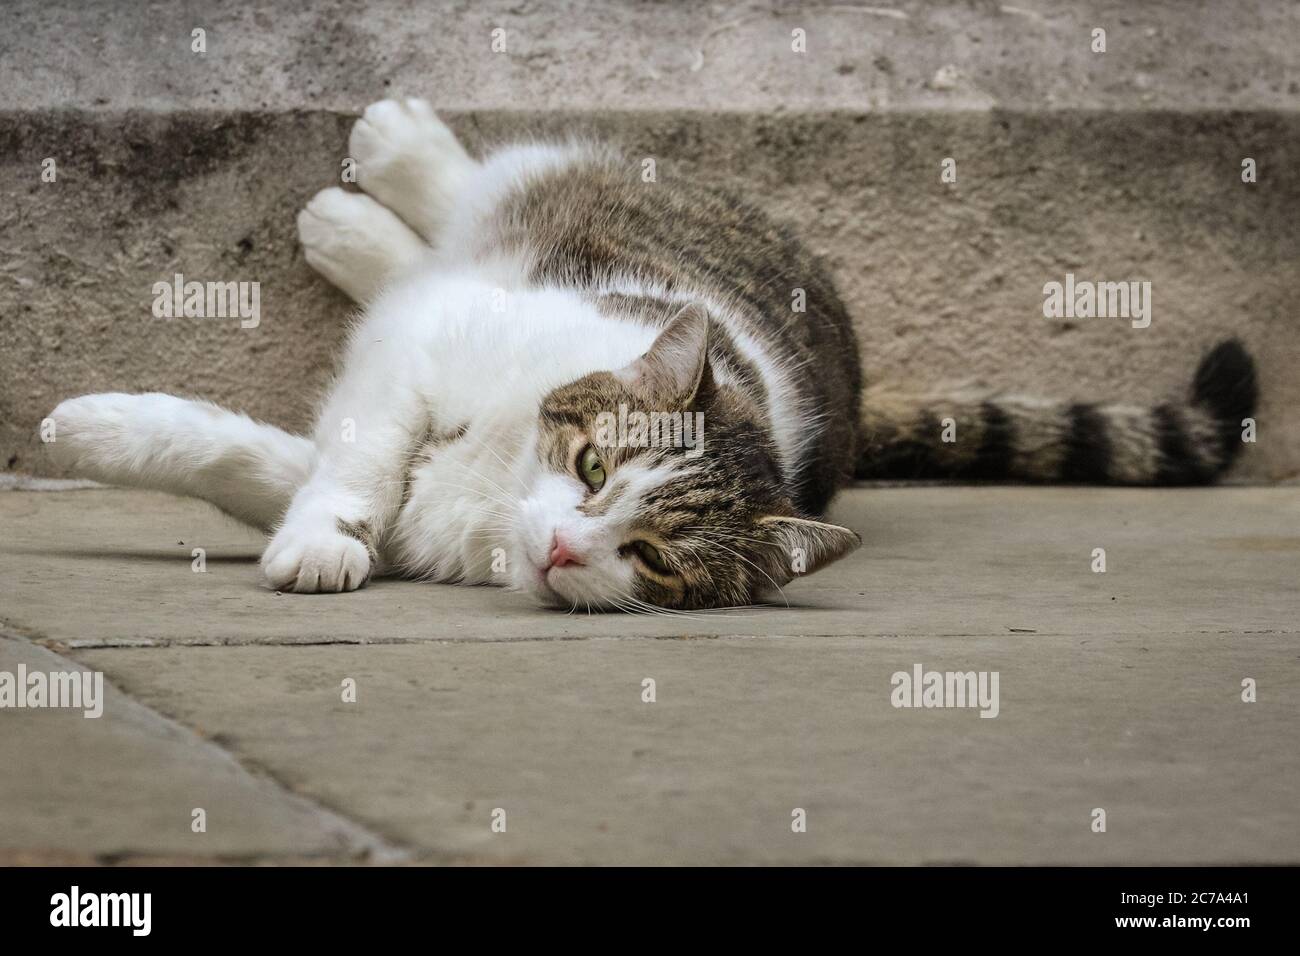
<point>648,553</point>
<point>591,469</point>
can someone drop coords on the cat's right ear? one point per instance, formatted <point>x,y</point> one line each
<point>675,369</point>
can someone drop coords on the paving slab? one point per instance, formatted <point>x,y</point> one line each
<point>125,784</point>
<point>1119,691</point>
<point>91,567</point>
<point>742,733</point>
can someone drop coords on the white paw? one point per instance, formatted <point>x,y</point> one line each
<point>93,435</point>
<point>410,161</point>
<point>315,561</point>
<point>354,242</point>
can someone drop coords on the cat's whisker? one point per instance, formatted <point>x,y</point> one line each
<point>716,540</point>
<point>478,491</point>
<point>702,563</point>
<point>479,475</point>
<point>483,443</point>
<point>654,609</point>
<point>489,512</point>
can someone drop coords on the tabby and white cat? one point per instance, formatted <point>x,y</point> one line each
<point>512,304</point>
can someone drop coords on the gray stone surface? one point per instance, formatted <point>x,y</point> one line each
<point>937,561</point>
<point>1118,690</point>
<point>1149,728</point>
<point>124,785</point>
<point>337,54</point>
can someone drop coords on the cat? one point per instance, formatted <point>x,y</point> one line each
<point>513,304</point>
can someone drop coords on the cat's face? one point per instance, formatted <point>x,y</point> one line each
<point>687,512</point>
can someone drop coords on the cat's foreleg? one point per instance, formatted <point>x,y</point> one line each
<point>332,534</point>
<point>246,468</point>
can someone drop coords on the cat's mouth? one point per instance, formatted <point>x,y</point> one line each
<point>546,592</point>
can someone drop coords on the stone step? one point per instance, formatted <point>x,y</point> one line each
<point>911,55</point>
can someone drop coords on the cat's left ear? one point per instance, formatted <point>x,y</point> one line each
<point>804,546</point>
<point>675,369</point>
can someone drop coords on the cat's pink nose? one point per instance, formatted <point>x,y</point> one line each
<point>561,554</point>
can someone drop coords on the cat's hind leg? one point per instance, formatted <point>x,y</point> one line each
<point>356,243</point>
<point>248,469</point>
<point>410,160</point>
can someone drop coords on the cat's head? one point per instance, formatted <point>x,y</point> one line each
<point>656,485</point>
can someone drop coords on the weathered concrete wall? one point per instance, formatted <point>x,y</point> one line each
<point>1123,165</point>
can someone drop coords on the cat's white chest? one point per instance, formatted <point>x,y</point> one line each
<point>463,493</point>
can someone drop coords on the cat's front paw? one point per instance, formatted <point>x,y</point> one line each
<point>315,561</point>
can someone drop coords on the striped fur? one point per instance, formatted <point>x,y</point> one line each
<point>1021,439</point>
<point>593,225</point>
<point>723,521</point>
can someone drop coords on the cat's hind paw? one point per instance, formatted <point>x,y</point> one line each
<point>409,160</point>
<point>102,436</point>
<point>356,243</point>
<point>315,562</point>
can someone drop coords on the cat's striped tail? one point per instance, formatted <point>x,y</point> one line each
<point>974,437</point>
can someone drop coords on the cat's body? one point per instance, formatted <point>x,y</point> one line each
<point>510,304</point>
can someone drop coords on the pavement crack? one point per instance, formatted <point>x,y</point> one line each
<point>356,840</point>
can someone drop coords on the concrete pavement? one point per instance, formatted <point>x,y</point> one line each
<point>1118,691</point>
